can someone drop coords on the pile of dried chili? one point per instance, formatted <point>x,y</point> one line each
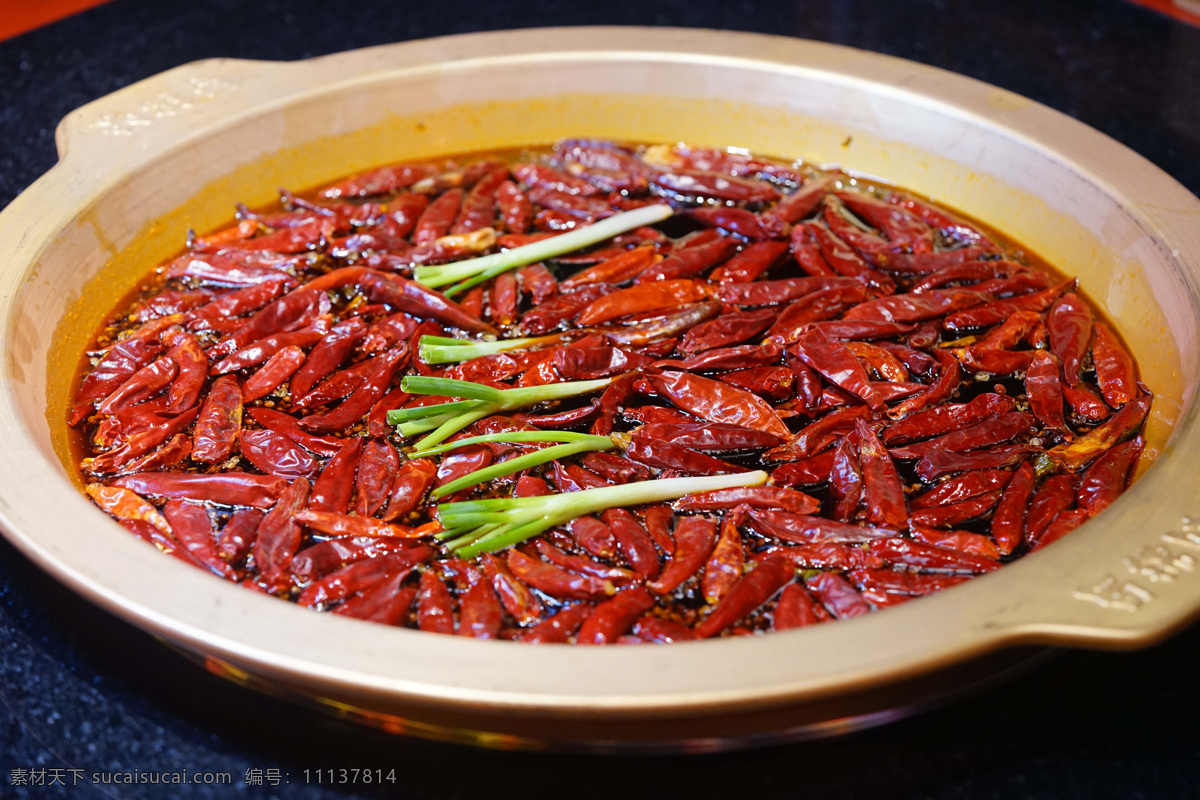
<point>605,393</point>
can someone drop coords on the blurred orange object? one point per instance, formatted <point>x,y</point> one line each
<point>20,16</point>
<point>1186,10</point>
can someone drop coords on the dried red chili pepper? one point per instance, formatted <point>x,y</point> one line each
<point>582,564</point>
<point>229,488</point>
<point>994,430</point>
<point>319,560</point>
<point>950,514</point>
<point>620,268</point>
<point>556,582</point>
<point>715,186</point>
<point>419,301</point>
<point>805,529</point>
<point>991,313</point>
<point>662,454</point>
<point>930,557</point>
<point>799,204</point>
<point>290,312</point>
<point>1008,518</point>
<point>142,441</point>
<point>377,469</point>
<point>1063,524</point>
<point>750,263</point>
<point>435,610</point>
<point>384,179</point>
<point>837,364</point>
<point>883,492</point>
<point>964,487</point>
<point>1108,475</point>
<point>276,454</point>
<point>119,364</point>
<point>804,472</point>
<point>1077,454</point>
<point>1070,327</point>
<point>238,534</point>
<point>515,208</point>
<point>836,594</point>
<point>268,346</point>
<point>289,426</point>
<point>359,575</point>
<point>438,216</point>
<point>560,627</point>
<point>658,523</point>
<point>193,528</point>
<point>717,402</point>
<point>947,224</point>
<point>234,304</point>
<point>634,542</point>
<point>726,330</point>
<point>386,602</point>
<point>901,226</point>
<point>947,418</point>
<point>515,596</point>
<point>174,451</point>
<point>273,374</point>
<point>825,555</point>
<point>694,538</point>
<point>354,407</point>
<point>937,463</point>
<point>192,366</point>
<point>916,307</point>
<point>413,480</point>
<point>1115,372</point>
<point>725,564</point>
<point>141,385</point>
<point>796,608</point>
<point>749,592</point>
<point>1054,495</point>
<point>219,421</point>
<point>905,583</point>
<point>807,252</point>
<point>943,388</point>
<point>278,537</point>
<point>614,468</point>
<point>480,613</point>
<point>656,629</point>
<point>962,541</point>
<point>614,616</point>
<point>750,496</point>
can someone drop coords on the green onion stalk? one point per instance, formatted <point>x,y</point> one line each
<point>479,401</point>
<point>444,350</point>
<point>473,271</point>
<point>569,444</point>
<point>473,527</point>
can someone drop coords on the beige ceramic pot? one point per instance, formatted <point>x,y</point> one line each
<point>140,166</point>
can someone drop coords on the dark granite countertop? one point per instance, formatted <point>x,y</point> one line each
<point>83,691</point>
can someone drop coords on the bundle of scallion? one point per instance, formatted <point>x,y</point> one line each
<point>473,271</point>
<point>479,401</point>
<point>472,527</point>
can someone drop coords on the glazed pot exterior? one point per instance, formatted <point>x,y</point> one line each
<point>141,166</point>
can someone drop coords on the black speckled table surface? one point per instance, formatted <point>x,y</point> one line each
<point>82,691</point>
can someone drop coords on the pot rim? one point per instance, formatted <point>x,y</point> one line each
<point>273,638</point>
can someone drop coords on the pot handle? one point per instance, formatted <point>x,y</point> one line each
<point>1127,579</point>
<point>161,110</point>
